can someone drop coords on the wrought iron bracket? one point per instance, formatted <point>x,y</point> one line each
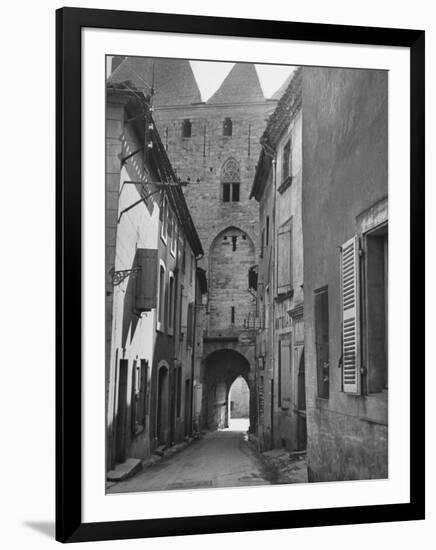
<point>119,276</point>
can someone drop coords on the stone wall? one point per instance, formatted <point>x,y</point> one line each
<point>345,172</point>
<point>203,155</point>
<point>201,158</point>
<point>231,256</point>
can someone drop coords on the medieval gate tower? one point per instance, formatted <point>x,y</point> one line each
<point>215,146</point>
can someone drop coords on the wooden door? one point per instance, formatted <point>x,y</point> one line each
<point>121,420</point>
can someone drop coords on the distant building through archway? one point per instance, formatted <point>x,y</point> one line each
<point>239,405</point>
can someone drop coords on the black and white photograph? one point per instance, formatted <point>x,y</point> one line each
<point>246,274</point>
<point>218,275</point>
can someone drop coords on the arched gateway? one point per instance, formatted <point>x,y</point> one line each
<point>221,368</point>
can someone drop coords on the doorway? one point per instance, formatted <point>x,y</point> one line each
<point>222,368</point>
<point>120,439</point>
<point>162,406</point>
<point>239,405</point>
<point>187,411</point>
<point>301,406</point>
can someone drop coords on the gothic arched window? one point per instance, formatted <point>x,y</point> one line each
<point>186,128</point>
<point>227,127</point>
<point>230,181</point>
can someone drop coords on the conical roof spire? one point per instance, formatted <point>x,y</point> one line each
<point>240,86</point>
<point>174,80</point>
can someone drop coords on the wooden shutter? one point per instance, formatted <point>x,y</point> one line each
<point>190,324</point>
<point>134,397</point>
<point>284,259</point>
<point>284,372</point>
<point>146,280</point>
<point>350,316</point>
<point>142,401</point>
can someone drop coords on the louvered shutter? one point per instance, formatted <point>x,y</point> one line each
<point>190,323</point>
<point>350,316</point>
<point>284,259</point>
<point>284,372</point>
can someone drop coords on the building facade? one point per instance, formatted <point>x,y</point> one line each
<point>280,366</point>
<point>153,286</point>
<point>215,146</point>
<point>345,230</point>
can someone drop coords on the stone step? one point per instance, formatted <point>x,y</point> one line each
<point>160,451</point>
<point>124,470</point>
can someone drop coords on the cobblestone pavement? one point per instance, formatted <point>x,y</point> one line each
<point>223,458</point>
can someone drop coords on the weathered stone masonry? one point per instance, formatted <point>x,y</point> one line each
<point>201,139</point>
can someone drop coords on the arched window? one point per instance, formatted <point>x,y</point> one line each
<point>186,128</point>
<point>230,181</point>
<point>227,127</point>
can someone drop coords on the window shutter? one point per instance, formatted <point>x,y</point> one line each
<point>190,324</point>
<point>146,280</point>
<point>284,259</point>
<point>350,316</point>
<point>284,372</point>
<point>134,403</point>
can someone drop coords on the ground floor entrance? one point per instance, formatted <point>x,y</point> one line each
<point>227,388</point>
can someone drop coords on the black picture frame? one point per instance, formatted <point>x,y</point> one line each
<point>69,23</point>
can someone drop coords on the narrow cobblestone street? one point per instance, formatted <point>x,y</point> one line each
<point>222,458</point>
<point>243,289</point>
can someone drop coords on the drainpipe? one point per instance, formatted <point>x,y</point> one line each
<point>194,345</point>
<point>193,351</point>
<point>269,151</point>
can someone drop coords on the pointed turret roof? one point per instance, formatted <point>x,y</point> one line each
<point>241,85</point>
<point>174,80</point>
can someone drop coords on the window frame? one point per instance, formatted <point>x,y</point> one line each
<point>226,193</point>
<point>171,302</point>
<point>285,227</point>
<point>317,293</point>
<point>236,191</point>
<point>186,123</point>
<point>227,123</point>
<point>380,231</point>
<point>160,318</point>
<point>231,181</point>
<point>164,220</point>
<point>173,241</point>
<point>284,377</point>
<point>286,165</point>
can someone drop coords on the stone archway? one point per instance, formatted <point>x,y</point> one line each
<point>222,368</point>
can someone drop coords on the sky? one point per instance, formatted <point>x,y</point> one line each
<point>210,75</point>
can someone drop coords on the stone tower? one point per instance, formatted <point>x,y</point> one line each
<point>216,145</point>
